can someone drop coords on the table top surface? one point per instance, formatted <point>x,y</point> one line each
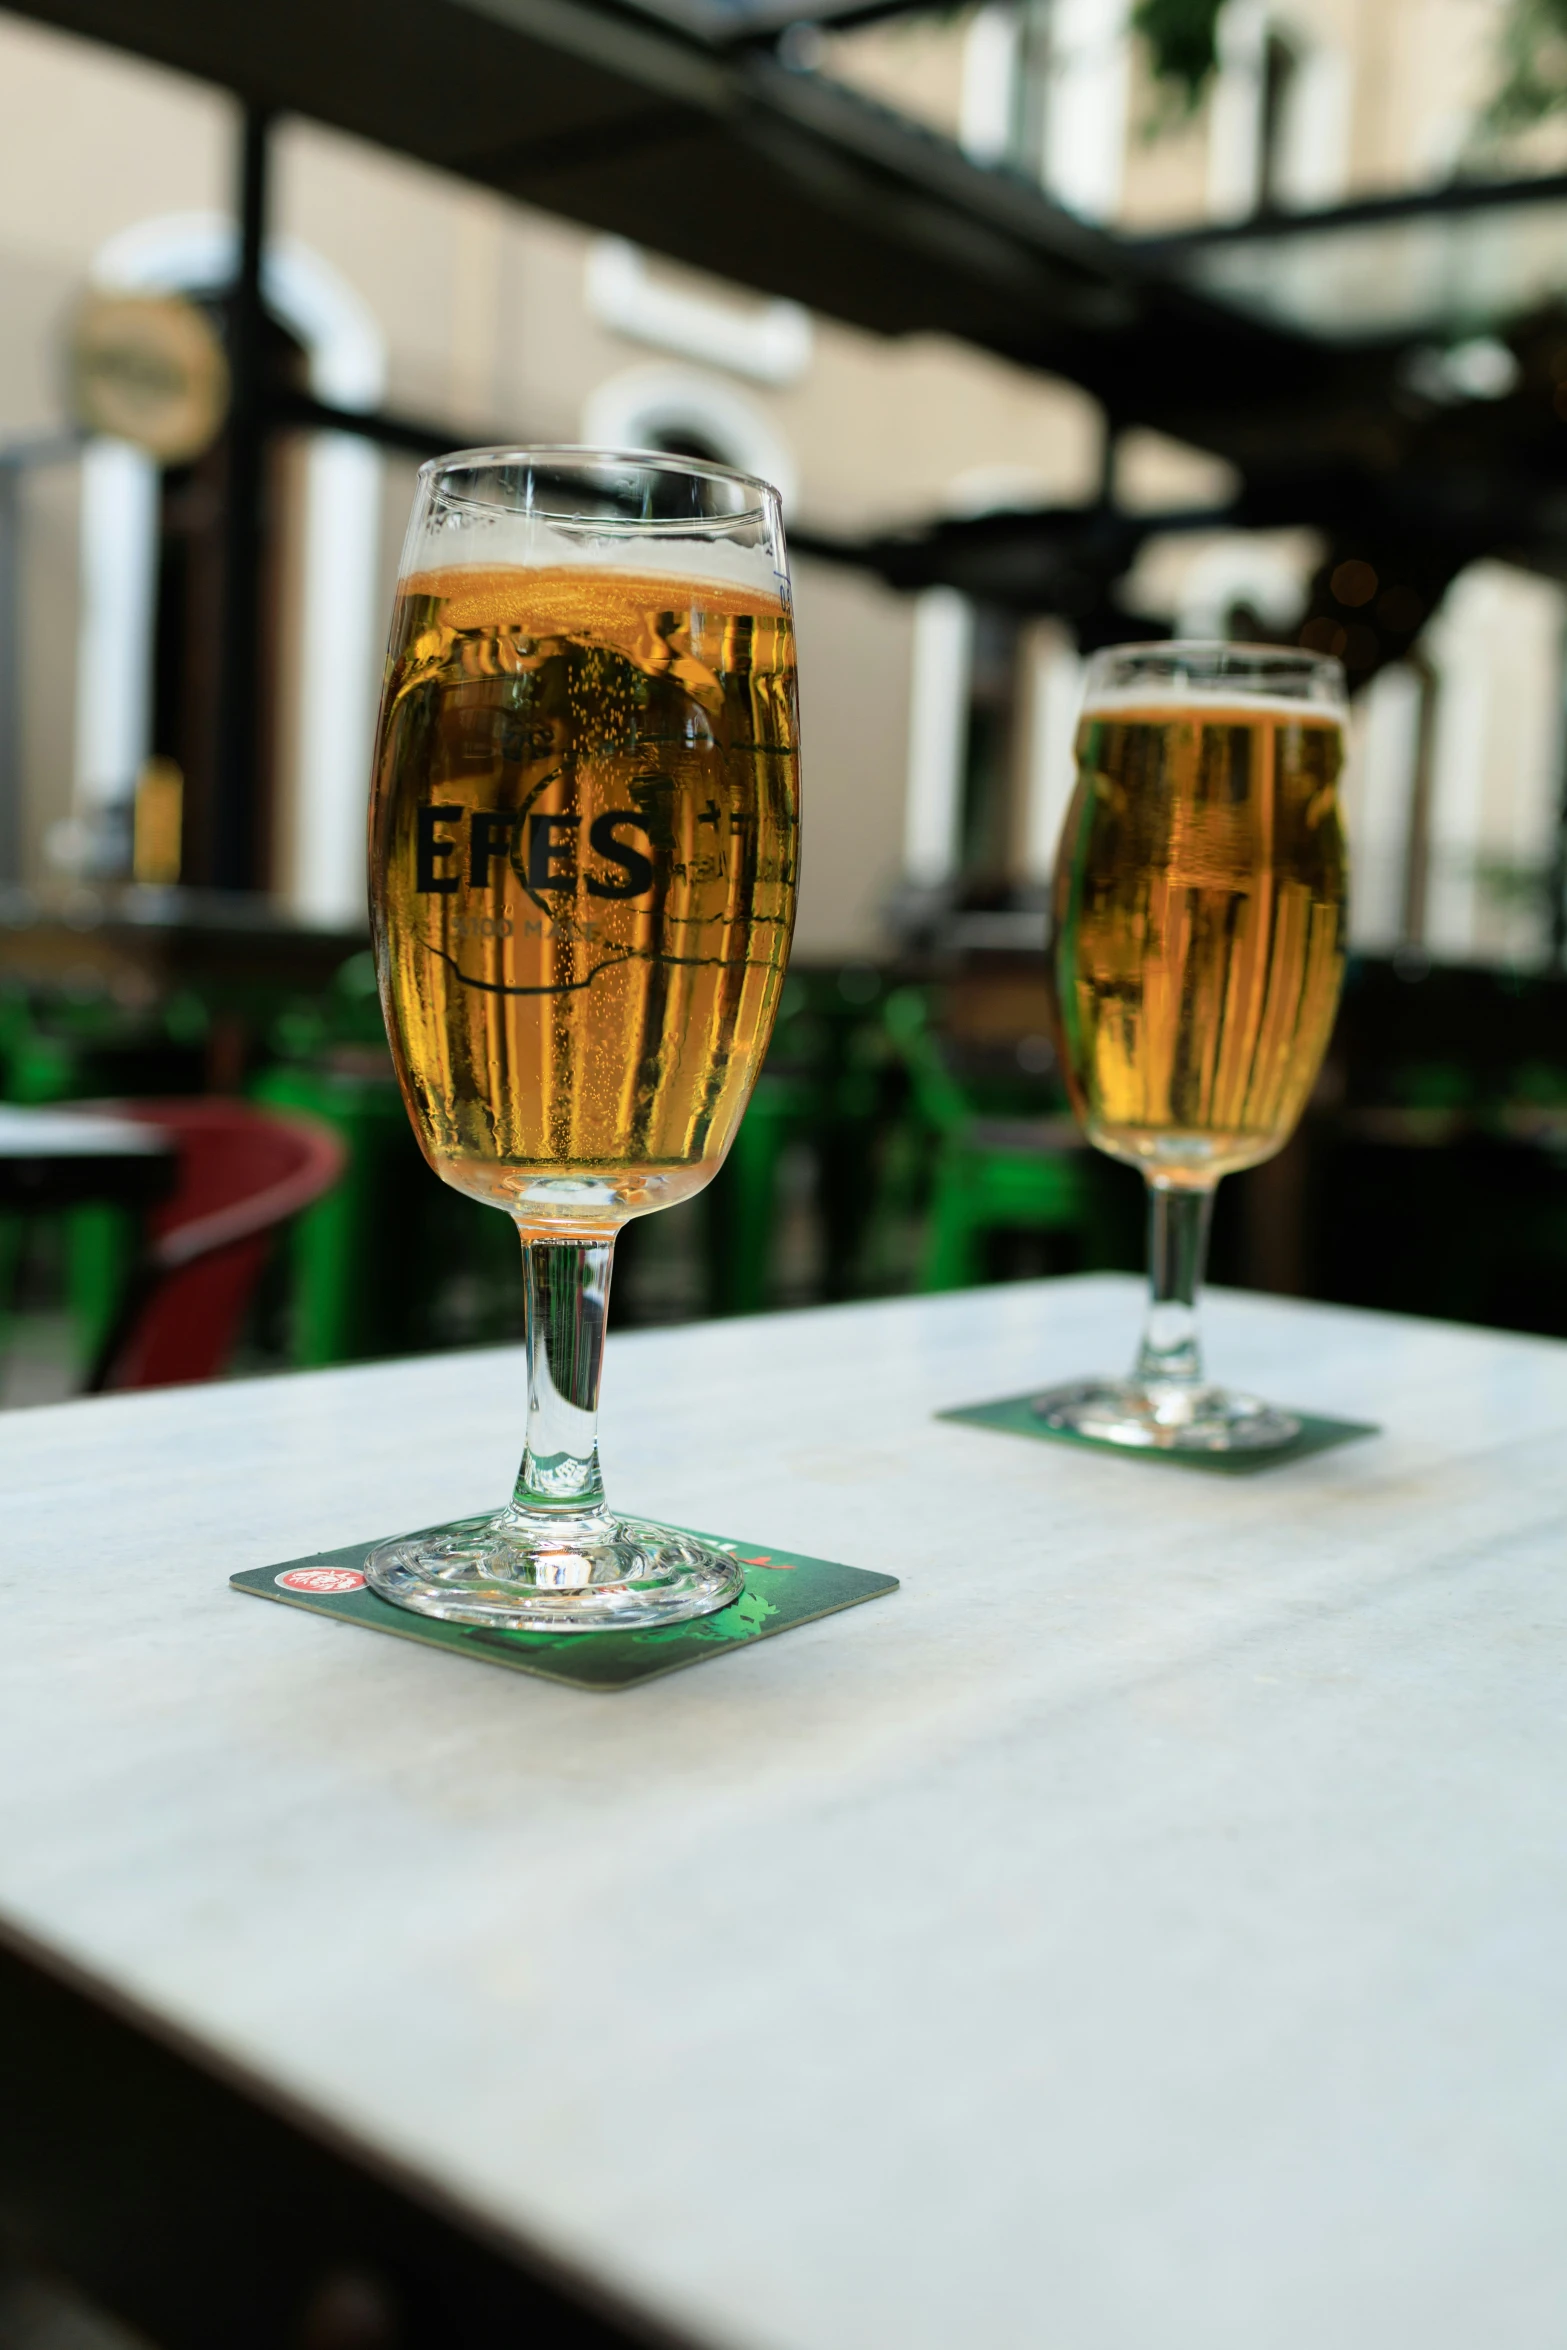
<point>27,1133</point>
<point>1147,1926</point>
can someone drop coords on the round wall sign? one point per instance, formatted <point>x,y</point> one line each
<point>149,368</point>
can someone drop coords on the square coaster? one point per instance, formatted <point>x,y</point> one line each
<point>782,1588</point>
<point>1015,1415</point>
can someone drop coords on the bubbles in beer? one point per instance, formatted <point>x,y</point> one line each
<point>1199,927</point>
<point>584,832</point>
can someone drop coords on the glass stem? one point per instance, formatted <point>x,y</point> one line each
<point>1178,1221</point>
<point>567,1301</point>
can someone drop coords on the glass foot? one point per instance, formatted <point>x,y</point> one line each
<point>1166,1418</point>
<point>591,1574</point>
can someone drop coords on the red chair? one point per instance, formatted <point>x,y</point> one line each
<point>242,1173</point>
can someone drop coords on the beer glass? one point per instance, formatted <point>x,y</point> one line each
<point>1199,919</point>
<point>583,845</point>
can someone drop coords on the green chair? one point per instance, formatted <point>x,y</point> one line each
<point>986,1172</point>
<point>348,1275</point>
<point>61,1048</point>
<point>350,1285</point>
<point>820,1086</point>
<point>392,1261</point>
<point>742,1202</point>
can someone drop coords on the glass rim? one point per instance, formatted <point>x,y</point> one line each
<point>569,453</point>
<point>1220,658</point>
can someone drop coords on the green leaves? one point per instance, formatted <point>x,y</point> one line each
<point>1534,66</point>
<point>1182,41</point>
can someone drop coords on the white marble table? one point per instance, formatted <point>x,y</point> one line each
<point>1146,1928</point>
<point>45,1133</point>
<point>59,1158</point>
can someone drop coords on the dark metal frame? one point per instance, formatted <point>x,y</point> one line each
<point>1420,521</point>
<point>237,815</point>
<point>626,118</point>
<point>1453,198</point>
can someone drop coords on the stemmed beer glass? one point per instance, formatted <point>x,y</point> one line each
<point>1200,917</point>
<point>583,847</point>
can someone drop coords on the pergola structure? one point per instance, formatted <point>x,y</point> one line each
<point>1330,388</point>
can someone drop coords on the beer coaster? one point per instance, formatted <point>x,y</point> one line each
<point>1015,1415</point>
<point>783,1588</point>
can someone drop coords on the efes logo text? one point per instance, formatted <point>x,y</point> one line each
<point>454,845</point>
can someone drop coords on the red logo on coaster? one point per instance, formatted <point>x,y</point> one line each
<point>322,1579</point>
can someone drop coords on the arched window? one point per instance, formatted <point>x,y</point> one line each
<point>1243,587</point>
<point>687,414</point>
<point>131,672</point>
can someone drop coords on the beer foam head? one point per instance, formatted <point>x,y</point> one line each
<point>1271,681</point>
<point>582,509</point>
<point>1168,698</point>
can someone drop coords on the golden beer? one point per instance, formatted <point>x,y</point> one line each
<point>1200,921</point>
<point>584,824</point>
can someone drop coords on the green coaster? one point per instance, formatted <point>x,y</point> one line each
<point>1015,1416</point>
<point>782,1588</point>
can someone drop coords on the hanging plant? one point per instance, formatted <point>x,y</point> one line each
<point>1534,67</point>
<point>1183,48</point>
<point>1181,38</point>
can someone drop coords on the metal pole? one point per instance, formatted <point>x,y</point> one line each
<point>236,815</point>
<point>10,672</point>
<point>16,462</point>
<point>1558,869</point>
<point>1417,847</point>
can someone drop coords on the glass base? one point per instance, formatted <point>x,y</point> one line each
<point>520,1573</point>
<point>1166,1417</point>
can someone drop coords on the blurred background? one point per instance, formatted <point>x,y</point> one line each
<point>1057,322</point>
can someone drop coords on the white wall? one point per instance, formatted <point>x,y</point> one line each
<point>938,736</point>
<point>1086,112</point>
<point>325,781</point>
<point>1051,695</point>
<point>1378,796</point>
<point>855,640</point>
<point>1496,772</point>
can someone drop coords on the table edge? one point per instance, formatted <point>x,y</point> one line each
<point>190,2074</point>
